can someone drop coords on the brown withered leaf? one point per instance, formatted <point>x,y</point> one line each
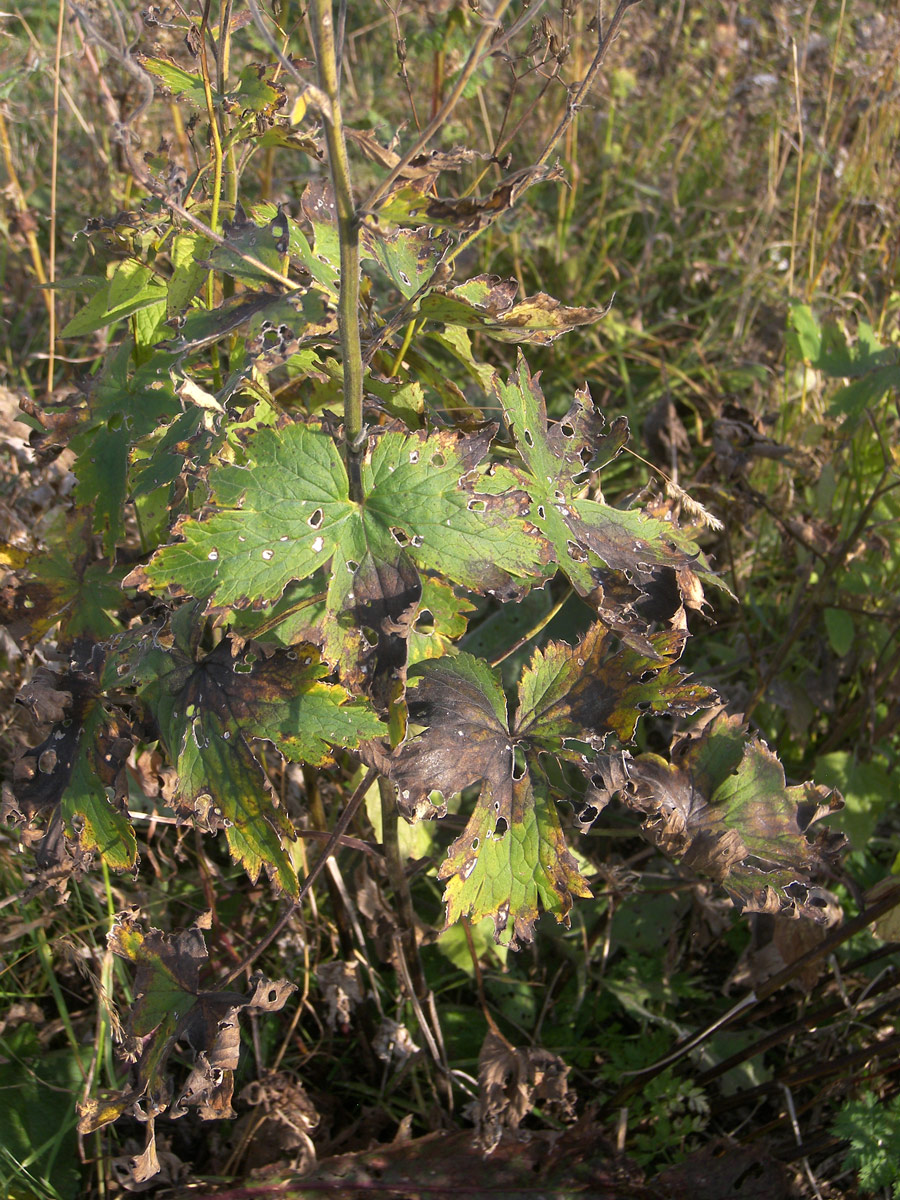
<point>511,1082</point>
<point>409,203</point>
<point>170,1008</point>
<point>488,303</point>
<point>721,808</point>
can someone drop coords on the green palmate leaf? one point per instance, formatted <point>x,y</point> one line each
<point>487,303</point>
<point>511,862</point>
<point>589,535</point>
<point>208,712</point>
<point>131,287</point>
<point>75,778</point>
<point>721,807</point>
<point>287,513</point>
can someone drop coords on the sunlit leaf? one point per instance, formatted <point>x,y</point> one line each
<point>422,494</point>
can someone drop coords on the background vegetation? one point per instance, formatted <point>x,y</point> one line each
<point>732,182</point>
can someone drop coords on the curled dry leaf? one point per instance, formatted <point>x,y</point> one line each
<point>340,986</point>
<point>511,1082</point>
<point>170,1008</point>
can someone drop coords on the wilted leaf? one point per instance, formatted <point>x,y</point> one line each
<point>60,586</point>
<point>512,857</point>
<point>303,313</point>
<point>257,93</point>
<point>511,1082</point>
<point>589,534</point>
<point>487,303</point>
<point>75,777</point>
<point>210,710</point>
<point>721,808</point>
<point>581,693</point>
<point>385,599</point>
<point>170,1007</point>
<point>409,204</point>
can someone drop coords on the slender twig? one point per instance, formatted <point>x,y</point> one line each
<point>348,232</point>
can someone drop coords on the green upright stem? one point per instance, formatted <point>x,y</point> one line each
<point>348,231</point>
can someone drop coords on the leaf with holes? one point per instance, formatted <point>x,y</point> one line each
<point>409,256</point>
<point>287,512</point>
<point>210,710</point>
<point>568,696</point>
<point>721,807</point>
<point>511,862</point>
<point>75,778</point>
<point>590,534</point>
<point>170,1007</point>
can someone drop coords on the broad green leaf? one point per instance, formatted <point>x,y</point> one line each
<point>840,628</point>
<point>324,264</point>
<point>510,863</point>
<point>286,513</point>
<point>806,330</point>
<point>210,710</point>
<point>487,303</point>
<point>722,808</point>
<point>132,286</point>
<point>257,93</point>
<point>122,406</point>
<point>188,273</point>
<point>867,789</point>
